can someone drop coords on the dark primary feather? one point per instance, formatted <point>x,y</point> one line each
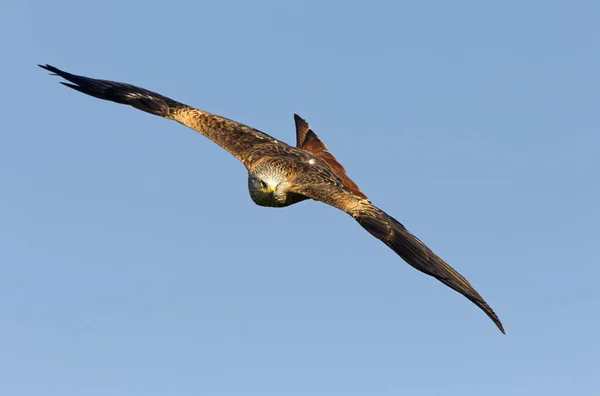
<point>417,254</point>
<point>234,137</point>
<point>393,234</point>
<point>139,98</point>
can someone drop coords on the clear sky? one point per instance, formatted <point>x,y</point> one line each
<point>133,261</point>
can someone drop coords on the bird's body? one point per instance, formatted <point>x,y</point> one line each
<point>283,167</point>
<point>280,175</point>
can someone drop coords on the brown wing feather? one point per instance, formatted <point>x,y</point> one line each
<point>398,238</point>
<point>234,137</point>
<point>307,139</point>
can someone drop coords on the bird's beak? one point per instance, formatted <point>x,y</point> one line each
<point>272,188</point>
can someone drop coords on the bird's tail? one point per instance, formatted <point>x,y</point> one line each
<point>139,98</point>
<point>418,255</point>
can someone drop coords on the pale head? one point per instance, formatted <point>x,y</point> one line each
<point>268,186</point>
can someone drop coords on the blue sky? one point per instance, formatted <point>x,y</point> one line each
<point>133,261</point>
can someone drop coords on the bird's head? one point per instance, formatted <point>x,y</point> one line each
<point>267,186</point>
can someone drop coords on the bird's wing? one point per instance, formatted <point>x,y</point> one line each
<point>234,137</point>
<point>307,140</point>
<point>397,237</point>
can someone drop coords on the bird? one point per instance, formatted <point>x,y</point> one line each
<point>280,175</point>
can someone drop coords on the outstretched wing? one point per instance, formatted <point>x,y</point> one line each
<point>398,238</point>
<point>234,137</point>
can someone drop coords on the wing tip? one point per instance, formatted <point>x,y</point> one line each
<point>476,298</point>
<point>497,322</point>
<point>55,71</point>
<point>74,86</point>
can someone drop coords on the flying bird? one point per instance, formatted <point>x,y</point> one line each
<point>280,175</point>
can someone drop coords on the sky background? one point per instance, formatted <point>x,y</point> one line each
<point>133,262</point>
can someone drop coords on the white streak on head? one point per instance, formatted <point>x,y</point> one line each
<point>311,161</point>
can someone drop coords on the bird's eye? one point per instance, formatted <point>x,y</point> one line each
<point>263,184</point>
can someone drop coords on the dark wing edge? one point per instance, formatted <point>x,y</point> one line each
<point>391,232</point>
<point>234,137</point>
<point>419,256</point>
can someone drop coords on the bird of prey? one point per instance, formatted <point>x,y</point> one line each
<point>281,175</point>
